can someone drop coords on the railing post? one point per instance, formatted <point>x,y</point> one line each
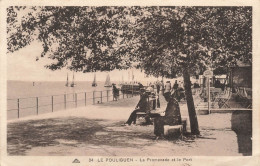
<point>132,91</point>
<point>208,94</point>
<point>18,108</point>
<point>113,95</point>
<point>51,103</point>
<point>85,99</point>
<point>65,102</point>
<point>107,95</point>
<point>37,104</point>
<point>93,97</point>
<point>76,102</point>
<point>101,97</point>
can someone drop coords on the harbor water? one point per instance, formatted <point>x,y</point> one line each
<point>30,98</point>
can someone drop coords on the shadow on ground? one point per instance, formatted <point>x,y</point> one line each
<point>241,122</point>
<point>72,131</point>
<point>75,132</point>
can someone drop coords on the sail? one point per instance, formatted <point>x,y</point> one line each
<point>94,83</point>
<point>73,84</point>
<point>108,83</point>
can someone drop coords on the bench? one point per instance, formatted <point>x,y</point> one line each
<point>152,108</point>
<point>176,131</point>
<point>140,115</point>
<point>173,131</point>
<point>169,131</point>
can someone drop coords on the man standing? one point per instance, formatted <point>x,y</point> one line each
<point>162,85</point>
<point>115,92</point>
<point>176,85</point>
<point>168,87</point>
<point>158,87</point>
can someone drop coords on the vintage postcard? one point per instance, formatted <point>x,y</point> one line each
<point>129,83</point>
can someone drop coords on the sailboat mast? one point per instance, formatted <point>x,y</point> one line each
<point>94,81</point>
<point>132,75</point>
<point>73,78</point>
<point>67,83</point>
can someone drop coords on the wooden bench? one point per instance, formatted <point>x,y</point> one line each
<point>170,130</point>
<point>175,131</point>
<point>140,115</point>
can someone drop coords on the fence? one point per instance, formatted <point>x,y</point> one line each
<point>22,107</point>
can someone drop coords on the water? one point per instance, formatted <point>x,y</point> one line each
<point>52,96</point>
<point>23,89</point>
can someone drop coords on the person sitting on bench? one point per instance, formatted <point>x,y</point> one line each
<point>172,115</point>
<point>142,106</point>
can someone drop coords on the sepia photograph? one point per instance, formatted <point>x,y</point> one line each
<point>127,81</point>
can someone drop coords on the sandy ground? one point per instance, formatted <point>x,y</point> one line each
<point>96,130</point>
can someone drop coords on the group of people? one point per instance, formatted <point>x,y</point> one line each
<point>149,100</point>
<point>177,88</point>
<point>170,115</point>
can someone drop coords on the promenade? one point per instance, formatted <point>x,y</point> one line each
<point>96,130</point>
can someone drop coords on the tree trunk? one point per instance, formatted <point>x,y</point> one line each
<point>190,103</point>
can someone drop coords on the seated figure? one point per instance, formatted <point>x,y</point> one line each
<point>172,115</point>
<point>142,106</point>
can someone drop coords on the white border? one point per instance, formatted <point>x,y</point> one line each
<point>67,160</point>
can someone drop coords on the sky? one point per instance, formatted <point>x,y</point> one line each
<point>22,66</point>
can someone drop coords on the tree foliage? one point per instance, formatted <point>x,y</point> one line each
<point>173,38</point>
<point>107,38</point>
<point>163,41</point>
<point>80,38</point>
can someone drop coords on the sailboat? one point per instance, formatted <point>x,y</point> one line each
<point>108,83</point>
<point>67,83</point>
<point>94,83</point>
<point>73,84</point>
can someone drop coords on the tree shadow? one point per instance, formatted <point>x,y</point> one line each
<point>72,131</point>
<point>241,123</point>
<point>79,132</point>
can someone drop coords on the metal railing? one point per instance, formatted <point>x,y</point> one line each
<point>22,107</point>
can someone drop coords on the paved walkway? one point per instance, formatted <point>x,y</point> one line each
<point>96,130</point>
